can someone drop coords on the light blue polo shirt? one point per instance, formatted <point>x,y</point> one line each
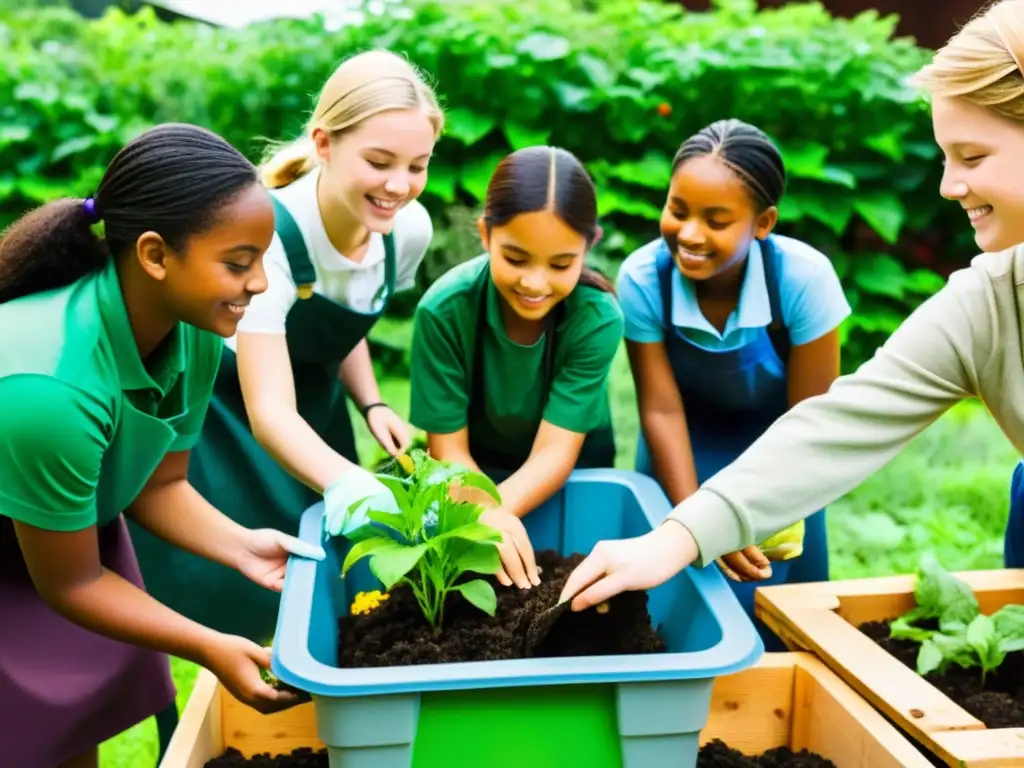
<point>812,298</point>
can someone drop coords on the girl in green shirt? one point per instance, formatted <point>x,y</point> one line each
<point>108,353</point>
<point>511,350</point>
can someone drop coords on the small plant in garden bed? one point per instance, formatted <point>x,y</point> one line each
<point>432,542</point>
<point>973,658</point>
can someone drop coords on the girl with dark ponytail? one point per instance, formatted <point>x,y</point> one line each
<point>108,351</point>
<point>728,326</point>
<point>511,350</point>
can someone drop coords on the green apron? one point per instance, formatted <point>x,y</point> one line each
<point>237,476</point>
<point>498,461</point>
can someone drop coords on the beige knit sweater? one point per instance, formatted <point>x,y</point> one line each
<point>965,341</point>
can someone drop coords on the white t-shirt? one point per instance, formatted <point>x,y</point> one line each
<point>340,279</point>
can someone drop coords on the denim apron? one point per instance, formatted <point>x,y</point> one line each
<point>731,398</point>
<point>232,471</point>
<point>1013,538</point>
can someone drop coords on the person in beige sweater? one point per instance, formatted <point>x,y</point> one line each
<point>963,342</point>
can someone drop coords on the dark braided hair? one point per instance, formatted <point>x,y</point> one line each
<point>541,178</point>
<point>172,180</point>
<point>747,151</point>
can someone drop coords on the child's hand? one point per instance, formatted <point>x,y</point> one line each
<point>748,564</point>
<point>518,563</point>
<point>238,664</point>
<point>388,429</point>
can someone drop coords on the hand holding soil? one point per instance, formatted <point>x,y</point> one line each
<point>519,565</point>
<point>633,564</point>
<point>238,663</point>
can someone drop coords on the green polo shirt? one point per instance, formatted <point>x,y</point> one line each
<point>84,421</point>
<point>446,324</point>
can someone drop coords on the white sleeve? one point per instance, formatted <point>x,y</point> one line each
<point>412,237</point>
<point>268,311</point>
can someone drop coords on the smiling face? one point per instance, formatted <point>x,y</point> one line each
<point>710,219</point>
<point>536,260</point>
<point>984,160</point>
<point>210,283</point>
<point>378,167</point>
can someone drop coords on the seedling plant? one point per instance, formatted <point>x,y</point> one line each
<point>432,542</point>
<point>964,636</point>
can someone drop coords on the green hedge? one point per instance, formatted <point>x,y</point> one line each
<point>620,82</point>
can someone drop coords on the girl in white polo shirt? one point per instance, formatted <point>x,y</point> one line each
<point>349,235</point>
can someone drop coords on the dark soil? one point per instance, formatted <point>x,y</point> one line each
<point>397,634</point>
<point>999,703</point>
<point>300,758</point>
<point>712,755</point>
<point>716,754</point>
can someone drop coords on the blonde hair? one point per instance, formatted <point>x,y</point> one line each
<point>361,87</point>
<point>982,62</point>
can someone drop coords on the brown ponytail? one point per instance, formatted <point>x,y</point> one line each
<point>591,277</point>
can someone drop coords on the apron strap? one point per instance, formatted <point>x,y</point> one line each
<point>387,290</point>
<point>777,330</point>
<point>664,267</point>
<point>294,244</point>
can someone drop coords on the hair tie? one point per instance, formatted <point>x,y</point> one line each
<point>89,206</point>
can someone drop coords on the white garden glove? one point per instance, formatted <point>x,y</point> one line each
<point>356,485</point>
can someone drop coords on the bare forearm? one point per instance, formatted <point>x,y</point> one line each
<point>541,476</point>
<point>668,442</point>
<point>356,373</point>
<point>296,446</point>
<point>111,606</point>
<point>178,514</point>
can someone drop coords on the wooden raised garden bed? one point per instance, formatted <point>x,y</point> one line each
<point>786,700</point>
<point>965,702</point>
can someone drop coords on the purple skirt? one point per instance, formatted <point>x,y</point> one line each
<point>63,689</point>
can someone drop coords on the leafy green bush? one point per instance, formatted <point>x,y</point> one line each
<point>621,83</point>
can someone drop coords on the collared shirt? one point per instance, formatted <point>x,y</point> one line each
<point>812,298</point>
<point>444,344</point>
<point>965,341</point>
<point>84,419</point>
<point>351,283</point>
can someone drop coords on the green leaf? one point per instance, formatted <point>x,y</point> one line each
<point>389,565</point>
<point>468,126</point>
<point>469,532</point>
<point>476,176</point>
<point>929,657</point>
<point>367,547</point>
<point>902,629</point>
<point>391,520</point>
<point>653,170</point>
<point>1009,621</point>
<point>943,595</point>
<point>474,556</point>
<point>441,181</point>
<point>884,212</point>
<point>481,594</point>
<point>480,481</point>
<point>541,46</point>
<point>834,209</point>
<point>982,637</point>
<point>520,136</point>
<point>880,274</point>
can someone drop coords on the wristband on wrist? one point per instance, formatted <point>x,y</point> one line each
<point>365,410</point>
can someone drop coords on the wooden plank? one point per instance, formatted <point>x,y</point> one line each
<point>831,719</point>
<point>996,748</point>
<point>198,737</point>
<point>821,618</point>
<point>752,710</point>
<point>251,733</point>
<point>887,683</point>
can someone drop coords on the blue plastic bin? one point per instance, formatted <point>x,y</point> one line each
<point>630,711</point>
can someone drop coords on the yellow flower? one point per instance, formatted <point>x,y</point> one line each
<point>407,464</point>
<point>786,544</point>
<point>365,602</point>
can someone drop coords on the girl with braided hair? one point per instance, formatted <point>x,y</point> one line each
<point>727,327</point>
<point>109,348</point>
<point>966,341</point>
